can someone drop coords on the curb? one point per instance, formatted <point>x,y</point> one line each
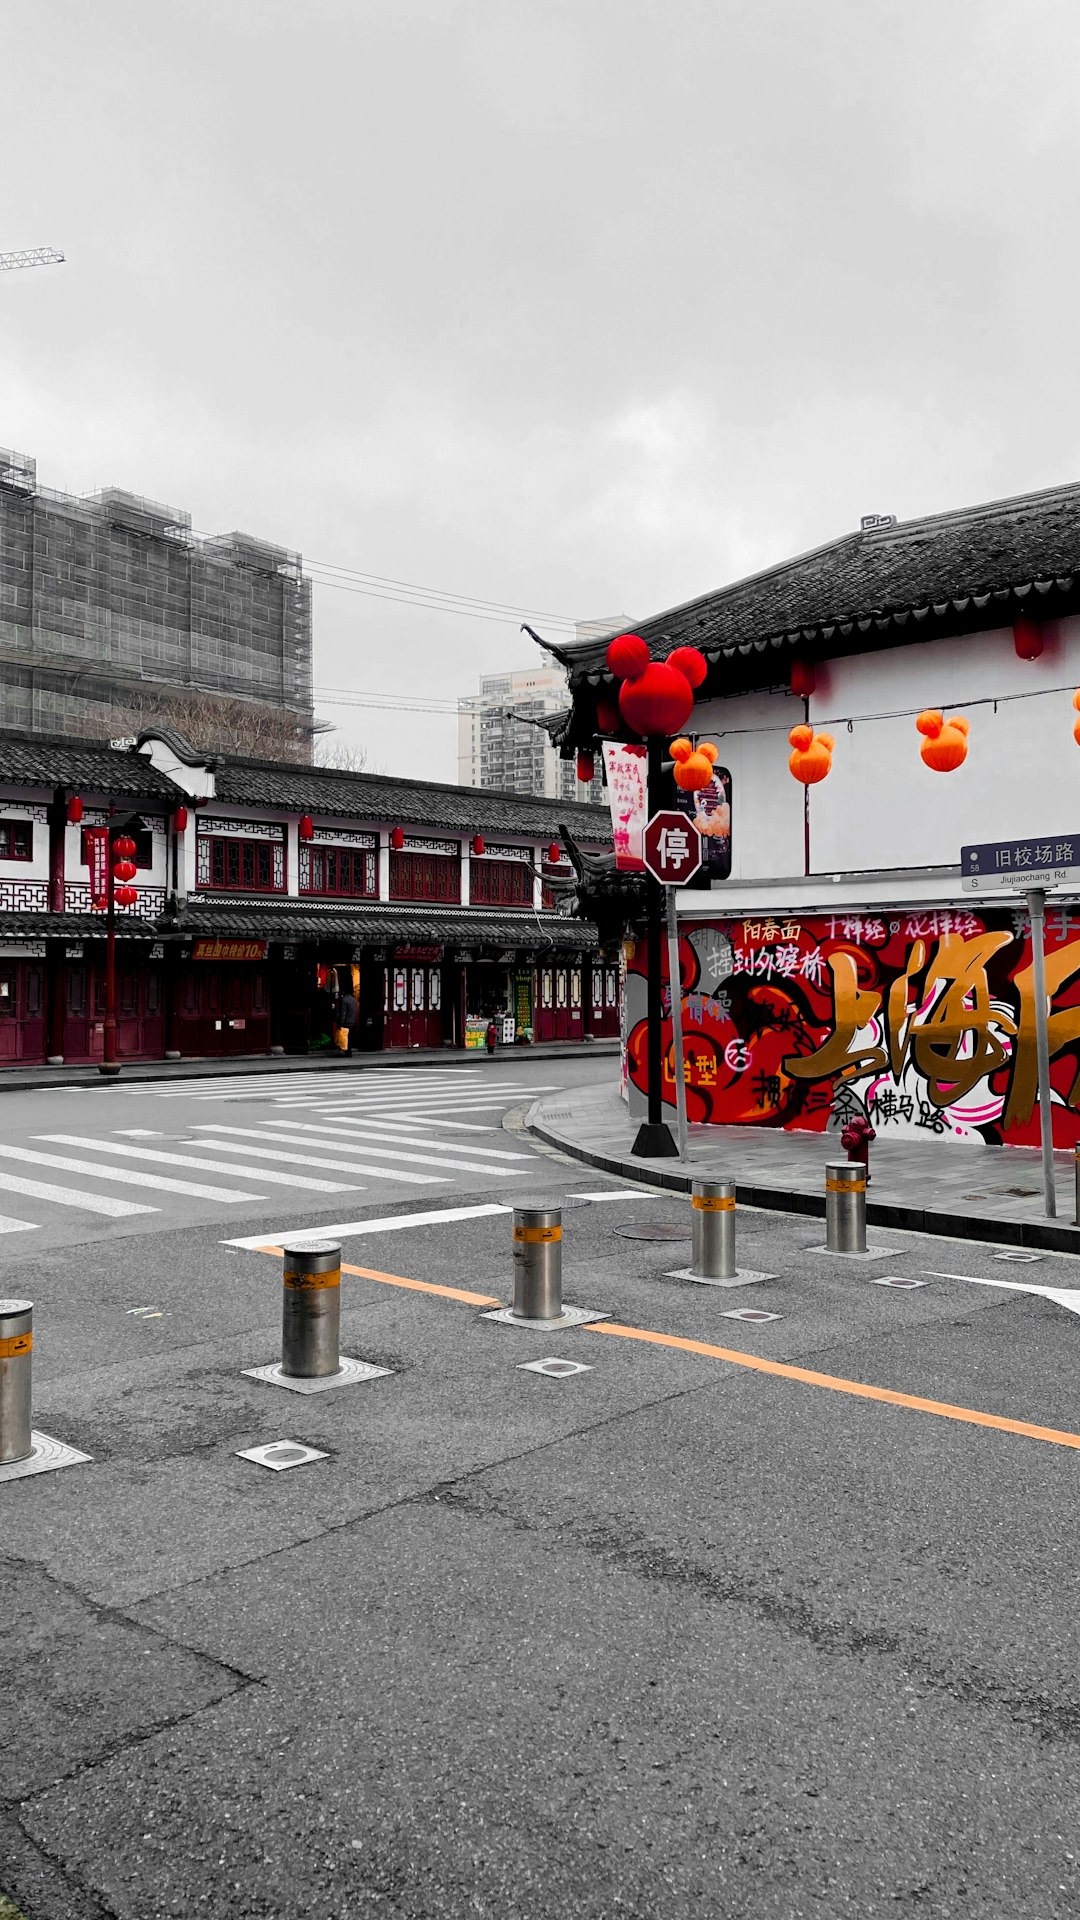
<point>1035,1235</point>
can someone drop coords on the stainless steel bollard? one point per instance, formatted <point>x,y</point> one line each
<point>712,1212</point>
<point>537,1263</point>
<point>311,1311</point>
<point>16,1345</point>
<point>845,1207</point>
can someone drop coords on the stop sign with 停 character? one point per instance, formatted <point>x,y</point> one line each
<point>671,848</point>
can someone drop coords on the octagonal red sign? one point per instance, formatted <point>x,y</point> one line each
<point>671,848</point>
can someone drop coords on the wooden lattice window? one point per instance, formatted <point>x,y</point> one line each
<point>248,866</point>
<point>500,883</point>
<point>16,839</point>
<point>350,872</point>
<point>424,876</point>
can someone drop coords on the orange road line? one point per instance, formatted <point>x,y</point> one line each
<point>942,1408</point>
<point>415,1286</point>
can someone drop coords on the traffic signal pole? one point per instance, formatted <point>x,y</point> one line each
<point>110,1065</point>
<point>654,1141</point>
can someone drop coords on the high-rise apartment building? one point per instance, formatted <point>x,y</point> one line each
<point>497,749</point>
<point>113,613</point>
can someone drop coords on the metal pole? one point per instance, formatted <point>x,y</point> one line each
<point>1076,1182</point>
<point>712,1204</point>
<point>311,1311</point>
<point>675,982</point>
<point>653,1140</point>
<point>845,1207</point>
<point>16,1343</point>
<point>537,1263</point>
<point>109,1064</point>
<point>1037,908</point>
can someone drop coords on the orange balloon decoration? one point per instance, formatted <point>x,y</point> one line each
<point>693,765</point>
<point>812,754</point>
<point>1076,704</point>
<point>945,745</point>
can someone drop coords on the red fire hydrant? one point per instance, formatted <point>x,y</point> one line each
<point>855,1140</point>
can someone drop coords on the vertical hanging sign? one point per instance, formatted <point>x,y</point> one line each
<point>96,842</point>
<point>625,767</point>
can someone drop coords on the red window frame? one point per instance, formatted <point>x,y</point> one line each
<point>500,883</point>
<point>349,873</point>
<point>16,839</point>
<point>424,876</point>
<point>234,865</point>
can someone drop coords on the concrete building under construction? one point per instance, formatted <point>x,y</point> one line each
<point>114,614</point>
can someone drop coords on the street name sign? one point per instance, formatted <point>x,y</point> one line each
<point>671,848</point>
<point>1016,865</point>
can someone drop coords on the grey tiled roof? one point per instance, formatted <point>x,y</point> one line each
<point>74,926</point>
<point>85,766</point>
<point>381,922</point>
<point>413,803</point>
<point>982,566</point>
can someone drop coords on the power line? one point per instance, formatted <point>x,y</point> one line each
<point>440,593</point>
<point>435,606</point>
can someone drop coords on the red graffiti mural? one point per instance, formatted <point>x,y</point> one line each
<point>922,1022</point>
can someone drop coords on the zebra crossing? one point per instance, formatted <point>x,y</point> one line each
<point>391,1128</point>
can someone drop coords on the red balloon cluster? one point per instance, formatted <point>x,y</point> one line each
<point>656,696</point>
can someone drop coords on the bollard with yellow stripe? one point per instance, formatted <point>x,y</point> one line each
<point>537,1263</point>
<point>712,1215</point>
<point>311,1311</point>
<point>16,1347</point>
<point>845,1207</point>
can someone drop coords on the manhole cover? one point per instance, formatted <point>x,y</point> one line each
<point>555,1369</point>
<point>895,1280</point>
<point>653,1230</point>
<point>1026,1257</point>
<point>1010,1193</point>
<point>538,1200</point>
<point>750,1313</point>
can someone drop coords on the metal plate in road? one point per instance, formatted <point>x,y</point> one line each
<point>653,1231</point>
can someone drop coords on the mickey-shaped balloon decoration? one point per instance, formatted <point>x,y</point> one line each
<point>811,756</point>
<point>1076,728</point>
<point>945,745</point>
<point>693,765</point>
<point>656,696</point>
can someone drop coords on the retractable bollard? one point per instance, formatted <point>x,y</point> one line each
<point>16,1344</point>
<point>311,1311</point>
<point>845,1207</point>
<point>537,1263</point>
<point>712,1212</point>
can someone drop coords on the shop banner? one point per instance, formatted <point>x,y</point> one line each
<point>229,950</point>
<point>96,845</point>
<point>626,769</point>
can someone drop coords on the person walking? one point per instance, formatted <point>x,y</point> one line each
<point>346,1014</point>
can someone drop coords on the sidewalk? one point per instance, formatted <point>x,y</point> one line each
<point>971,1193</point>
<point>15,1079</point>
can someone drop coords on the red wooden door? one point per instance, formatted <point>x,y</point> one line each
<point>22,1010</point>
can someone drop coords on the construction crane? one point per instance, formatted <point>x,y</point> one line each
<point>30,257</point>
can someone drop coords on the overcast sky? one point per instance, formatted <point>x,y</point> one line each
<point>586,306</point>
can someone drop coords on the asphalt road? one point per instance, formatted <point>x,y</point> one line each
<point>767,1618</point>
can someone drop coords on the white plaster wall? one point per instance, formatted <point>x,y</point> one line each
<point>767,804</point>
<point>882,807</point>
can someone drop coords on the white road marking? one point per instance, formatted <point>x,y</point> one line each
<point>374,1153</point>
<point>269,1152</point>
<point>65,1197</point>
<point>1064,1296</point>
<point>9,1224</point>
<point>123,1176</point>
<point>344,1135</point>
<point>179,1160</point>
<point>631,1193</point>
<point>351,1229</point>
<point>139,1133</point>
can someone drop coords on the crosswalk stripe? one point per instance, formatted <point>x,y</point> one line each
<point>124,1176</point>
<point>374,1153</point>
<point>67,1197</point>
<point>349,1229</point>
<point>10,1225</point>
<point>264,1176</point>
<point>351,1131</point>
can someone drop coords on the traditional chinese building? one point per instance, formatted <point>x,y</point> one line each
<point>262,889</point>
<point>836,957</point>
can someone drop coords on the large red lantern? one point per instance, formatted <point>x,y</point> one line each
<point>125,870</point>
<point>586,767</point>
<point>554,852</point>
<point>124,847</point>
<point>306,827</point>
<point>607,714</point>
<point>180,819</point>
<point>656,696</point>
<point>803,678</point>
<point>126,896</point>
<point>478,844</point>
<point>74,810</point>
<point>397,839</point>
<point>1027,639</point>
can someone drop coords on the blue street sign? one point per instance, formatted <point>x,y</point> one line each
<point>1019,864</point>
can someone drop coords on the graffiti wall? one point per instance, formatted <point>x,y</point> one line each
<point>924,1022</point>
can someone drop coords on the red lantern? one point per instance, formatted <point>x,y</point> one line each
<point>397,839</point>
<point>586,767</point>
<point>554,852</point>
<point>126,896</point>
<point>803,678</point>
<point>307,829</point>
<point>478,844</point>
<point>74,810</point>
<point>607,714</point>
<point>124,846</point>
<point>124,870</point>
<point>1027,639</point>
<point>180,819</point>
